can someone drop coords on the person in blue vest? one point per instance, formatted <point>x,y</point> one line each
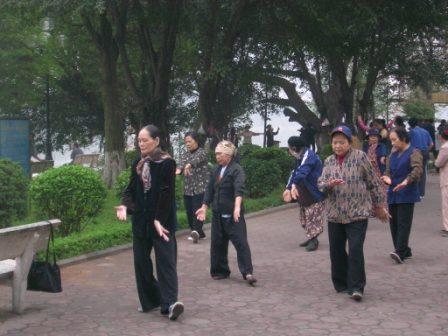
<point>403,171</point>
<point>421,139</point>
<point>303,182</point>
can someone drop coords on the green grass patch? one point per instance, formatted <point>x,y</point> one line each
<point>105,231</point>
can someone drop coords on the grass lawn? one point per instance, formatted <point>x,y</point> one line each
<point>105,230</point>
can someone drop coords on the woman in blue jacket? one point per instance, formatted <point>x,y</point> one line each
<point>403,171</point>
<point>302,186</point>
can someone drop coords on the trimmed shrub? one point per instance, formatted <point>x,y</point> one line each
<point>245,150</point>
<point>276,155</point>
<point>325,151</point>
<point>262,176</point>
<point>122,182</point>
<point>13,192</point>
<point>70,193</point>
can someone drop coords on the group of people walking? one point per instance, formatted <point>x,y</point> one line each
<point>346,190</point>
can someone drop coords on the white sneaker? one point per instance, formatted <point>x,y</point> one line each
<point>195,236</point>
<point>175,310</point>
<point>190,238</point>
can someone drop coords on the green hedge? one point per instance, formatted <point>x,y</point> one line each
<point>13,192</point>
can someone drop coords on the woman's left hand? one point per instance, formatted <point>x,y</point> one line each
<point>187,169</point>
<point>382,214</point>
<point>401,185</point>
<point>294,192</point>
<point>161,231</point>
<point>236,214</point>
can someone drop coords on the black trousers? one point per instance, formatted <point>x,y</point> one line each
<point>223,230</point>
<point>192,204</point>
<point>151,292</point>
<point>400,227</point>
<point>347,270</point>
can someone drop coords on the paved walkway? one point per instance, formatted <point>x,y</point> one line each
<point>294,295</point>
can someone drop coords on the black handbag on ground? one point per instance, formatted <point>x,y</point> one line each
<point>45,276</point>
<point>305,198</point>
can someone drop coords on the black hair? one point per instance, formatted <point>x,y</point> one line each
<point>443,132</point>
<point>402,134</point>
<point>296,143</point>
<point>399,121</point>
<point>413,122</point>
<point>195,136</point>
<point>153,131</point>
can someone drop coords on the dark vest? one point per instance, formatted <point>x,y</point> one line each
<point>400,167</point>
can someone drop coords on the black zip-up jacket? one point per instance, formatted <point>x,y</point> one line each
<point>157,203</point>
<point>222,193</point>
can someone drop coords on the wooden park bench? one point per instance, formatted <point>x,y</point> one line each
<point>17,247</point>
<point>89,160</point>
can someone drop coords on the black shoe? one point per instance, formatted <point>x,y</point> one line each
<point>175,310</point>
<point>396,257</point>
<point>312,245</point>
<point>305,243</point>
<point>357,296</point>
<point>219,277</point>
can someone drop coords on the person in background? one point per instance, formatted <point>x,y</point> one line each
<point>302,186</point>
<point>404,168</point>
<point>428,125</point>
<point>376,151</point>
<point>349,182</point>
<point>270,135</point>
<point>247,135</point>
<point>442,164</point>
<point>194,166</point>
<point>76,151</point>
<point>421,139</point>
<point>225,191</point>
<point>150,198</point>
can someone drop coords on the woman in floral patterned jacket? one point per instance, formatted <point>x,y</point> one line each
<point>349,180</point>
<point>194,166</point>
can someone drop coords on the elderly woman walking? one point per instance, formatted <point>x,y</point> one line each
<point>349,181</point>
<point>302,186</point>
<point>194,166</point>
<point>150,198</point>
<point>404,169</point>
<point>442,164</point>
<point>225,192</point>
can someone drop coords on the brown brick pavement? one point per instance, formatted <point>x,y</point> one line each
<point>294,295</point>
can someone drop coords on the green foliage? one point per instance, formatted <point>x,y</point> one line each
<point>122,182</point>
<point>261,176</point>
<point>246,150</point>
<point>325,152</point>
<point>419,110</point>
<point>276,155</point>
<point>13,192</point>
<point>70,193</point>
<point>130,156</point>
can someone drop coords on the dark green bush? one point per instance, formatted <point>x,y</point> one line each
<point>122,182</point>
<point>276,155</point>
<point>130,156</point>
<point>70,193</point>
<point>245,150</point>
<point>325,152</point>
<point>262,177</point>
<point>13,192</point>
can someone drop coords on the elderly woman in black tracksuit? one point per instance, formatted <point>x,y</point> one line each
<point>150,198</point>
<point>225,193</point>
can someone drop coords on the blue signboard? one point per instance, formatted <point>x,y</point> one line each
<point>15,142</point>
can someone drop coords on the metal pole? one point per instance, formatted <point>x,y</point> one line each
<point>48,147</point>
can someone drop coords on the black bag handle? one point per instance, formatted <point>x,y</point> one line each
<point>52,245</point>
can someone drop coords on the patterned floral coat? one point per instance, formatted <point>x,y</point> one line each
<point>352,200</point>
<point>195,183</point>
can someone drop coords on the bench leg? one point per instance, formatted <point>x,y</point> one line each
<point>19,281</point>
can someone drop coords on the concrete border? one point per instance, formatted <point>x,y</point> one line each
<point>180,233</point>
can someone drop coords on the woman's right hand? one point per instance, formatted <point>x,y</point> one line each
<point>121,212</point>
<point>335,182</point>
<point>386,180</point>
<point>200,214</point>
<point>287,196</point>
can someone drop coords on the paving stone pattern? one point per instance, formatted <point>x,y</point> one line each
<point>294,295</point>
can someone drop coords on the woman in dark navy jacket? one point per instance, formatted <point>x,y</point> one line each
<point>404,169</point>
<point>150,197</point>
<point>304,179</point>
